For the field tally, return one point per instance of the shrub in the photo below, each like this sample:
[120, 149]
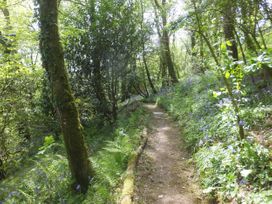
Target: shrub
[228, 168]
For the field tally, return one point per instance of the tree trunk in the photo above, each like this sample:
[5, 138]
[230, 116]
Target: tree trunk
[103, 105]
[164, 75]
[245, 27]
[229, 29]
[148, 74]
[144, 53]
[124, 89]
[226, 82]
[9, 44]
[229, 89]
[241, 47]
[168, 58]
[5, 11]
[193, 43]
[229, 32]
[165, 43]
[163, 68]
[53, 62]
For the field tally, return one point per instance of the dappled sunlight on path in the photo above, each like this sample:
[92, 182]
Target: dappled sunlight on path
[164, 174]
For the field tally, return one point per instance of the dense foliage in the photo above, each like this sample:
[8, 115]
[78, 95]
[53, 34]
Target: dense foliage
[227, 167]
[45, 177]
[225, 111]
[207, 61]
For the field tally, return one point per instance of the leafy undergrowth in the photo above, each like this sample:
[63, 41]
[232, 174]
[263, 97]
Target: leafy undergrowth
[46, 177]
[229, 169]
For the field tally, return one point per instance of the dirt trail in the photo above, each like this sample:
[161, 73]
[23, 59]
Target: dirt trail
[164, 175]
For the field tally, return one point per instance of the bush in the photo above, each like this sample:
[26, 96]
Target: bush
[46, 177]
[228, 168]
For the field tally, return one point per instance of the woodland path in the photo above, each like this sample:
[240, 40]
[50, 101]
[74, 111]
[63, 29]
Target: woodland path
[164, 174]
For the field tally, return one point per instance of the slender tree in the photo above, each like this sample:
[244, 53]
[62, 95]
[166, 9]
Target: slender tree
[8, 46]
[235, 105]
[53, 62]
[98, 79]
[229, 28]
[165, 41]
[144, 50]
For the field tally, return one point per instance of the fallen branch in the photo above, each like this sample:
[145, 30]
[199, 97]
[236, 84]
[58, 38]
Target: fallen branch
[128, 186]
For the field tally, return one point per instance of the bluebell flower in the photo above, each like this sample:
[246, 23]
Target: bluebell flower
[243, 182]
[37, 189]
[241, 123]
[230, 147]
[78, 187]
[13, 193]
[200, 143]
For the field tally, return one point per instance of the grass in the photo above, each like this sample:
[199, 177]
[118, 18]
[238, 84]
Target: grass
[228, 168]
[45, 178]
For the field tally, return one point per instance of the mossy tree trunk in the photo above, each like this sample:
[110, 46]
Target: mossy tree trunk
[165, 43]
[229, 29]
[53, 62]
[163, 68]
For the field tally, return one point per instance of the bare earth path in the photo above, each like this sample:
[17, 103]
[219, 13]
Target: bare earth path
[164, 175]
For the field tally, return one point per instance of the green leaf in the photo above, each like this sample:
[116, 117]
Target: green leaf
[223, 47]
[227, 74]
[229, 43]
[216, 94]
[48, 140]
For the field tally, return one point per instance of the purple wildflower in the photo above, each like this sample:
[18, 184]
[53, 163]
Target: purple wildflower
[78, 187]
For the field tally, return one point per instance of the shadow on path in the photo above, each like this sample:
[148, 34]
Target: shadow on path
[164, 175]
